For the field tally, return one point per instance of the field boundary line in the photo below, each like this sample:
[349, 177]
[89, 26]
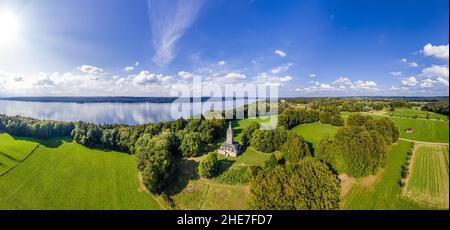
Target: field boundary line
[423, 142]
[19, 162]
[8, 156]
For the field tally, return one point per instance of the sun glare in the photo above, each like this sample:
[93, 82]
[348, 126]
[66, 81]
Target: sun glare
[9, 27]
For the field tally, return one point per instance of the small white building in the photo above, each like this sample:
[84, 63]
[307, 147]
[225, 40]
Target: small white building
[230, 148]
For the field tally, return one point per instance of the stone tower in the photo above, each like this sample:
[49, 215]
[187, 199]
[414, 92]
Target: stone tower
[229, 134]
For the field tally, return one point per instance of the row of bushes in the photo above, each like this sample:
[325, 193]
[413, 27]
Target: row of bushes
[406, 166]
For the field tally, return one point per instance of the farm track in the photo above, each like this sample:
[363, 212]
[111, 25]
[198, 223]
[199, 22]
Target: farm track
[423, 142]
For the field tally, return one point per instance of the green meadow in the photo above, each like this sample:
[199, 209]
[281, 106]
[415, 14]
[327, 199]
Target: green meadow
[424, 130]
[383, 191]
[416, 113]
[314, 132]
[428, 183]
[16, 148]
[61, 174]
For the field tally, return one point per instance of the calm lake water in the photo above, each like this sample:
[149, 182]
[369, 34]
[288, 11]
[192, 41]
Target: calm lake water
[123, 113]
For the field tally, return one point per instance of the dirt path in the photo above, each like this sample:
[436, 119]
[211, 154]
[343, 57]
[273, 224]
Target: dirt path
[423, 142]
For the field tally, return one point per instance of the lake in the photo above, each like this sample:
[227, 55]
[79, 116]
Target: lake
[123, 113]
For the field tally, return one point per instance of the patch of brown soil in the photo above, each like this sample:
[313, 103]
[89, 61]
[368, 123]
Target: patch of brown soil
[346, 183]
[371, 180]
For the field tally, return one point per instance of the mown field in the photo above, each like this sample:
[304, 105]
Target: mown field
[16, 148]
[428, 183]
[416, 113]
[314, 132]
[383, 191]
[424, 130]
[61, 174]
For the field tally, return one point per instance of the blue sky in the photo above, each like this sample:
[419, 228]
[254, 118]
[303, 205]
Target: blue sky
[145, 47]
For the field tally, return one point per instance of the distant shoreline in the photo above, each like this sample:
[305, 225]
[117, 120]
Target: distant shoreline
[81, 100]
[162, 100]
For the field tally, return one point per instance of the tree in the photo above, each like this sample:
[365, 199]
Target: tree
[308, 185]
[156, 161]
[270, 163]
[247, 134]
[357, 119]
[191, 144]
[268, 141]
[326, 117]
[295, 148]
[208, 167]
[337, 120]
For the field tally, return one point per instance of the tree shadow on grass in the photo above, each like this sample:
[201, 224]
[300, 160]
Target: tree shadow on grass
[224, 165]
[53, 142]
[186, 171]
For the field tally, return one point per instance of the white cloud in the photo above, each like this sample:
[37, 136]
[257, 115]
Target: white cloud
[313, 75]
[440, 52]
[427, 83]
[91, 70]
[394, 88]
[282, 68]
[404, 60]
[169, 21]
[442, 80]
[235, 76]
[411, 81]
[280, 53]
[136, 64]
[396, 74]
[436, 71]
[144, 77]
[286, 79]
[367, 85]
[222, 62]
[129, 68]
[342, 81]
[413, 64]
[185, 75]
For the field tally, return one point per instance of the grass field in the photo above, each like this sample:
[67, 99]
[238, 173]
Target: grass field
[205, 194]
[382, 192]
[16, 148]
[190, 192]
[424, 130]
[314, 132]
[6, 163]
[249, 158]
[428, 183]
[407, 112]
[70, 176]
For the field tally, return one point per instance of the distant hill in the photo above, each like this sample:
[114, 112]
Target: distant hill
[108, 99]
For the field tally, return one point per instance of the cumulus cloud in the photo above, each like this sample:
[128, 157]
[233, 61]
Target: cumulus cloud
[442, 80]
[222, 62]
[404, 60]
[411, 81]
[280, 53]
[286, 79]
[91, 70]
[235, 76]
[169, 21]
[44, 80]
[396, 74]
[436, 71]
[427, 83]
[313, 75]
[440, 52]
[129, 68]
[413, 64]
[185, 75]
[282, 68]
[342, 81]
[144, 77]
[366, 85]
